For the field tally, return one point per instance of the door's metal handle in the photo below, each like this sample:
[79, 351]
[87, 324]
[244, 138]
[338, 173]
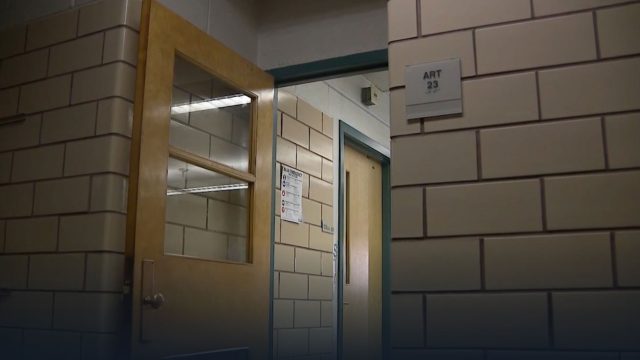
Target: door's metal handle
[5, 292]
[153, 297]
[155, 301]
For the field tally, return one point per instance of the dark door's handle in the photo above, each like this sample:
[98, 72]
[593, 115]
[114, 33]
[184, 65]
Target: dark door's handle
[5, 293]
[156, 300]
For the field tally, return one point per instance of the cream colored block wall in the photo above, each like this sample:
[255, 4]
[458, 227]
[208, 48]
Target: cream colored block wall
[516, 224]
[63, 179]
[303, 253]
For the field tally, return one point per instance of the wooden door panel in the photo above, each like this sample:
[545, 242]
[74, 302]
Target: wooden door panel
[211, 302]
[363, 292]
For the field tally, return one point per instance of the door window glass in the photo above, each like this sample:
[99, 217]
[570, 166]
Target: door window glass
[206, 213]
[207, 206]
[209, 118]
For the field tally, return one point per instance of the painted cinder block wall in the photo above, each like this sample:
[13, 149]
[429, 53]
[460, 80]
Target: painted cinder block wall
[63, 179]
[516, 226]
[303, 253]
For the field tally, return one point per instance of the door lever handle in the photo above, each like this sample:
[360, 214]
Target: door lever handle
[5, 293]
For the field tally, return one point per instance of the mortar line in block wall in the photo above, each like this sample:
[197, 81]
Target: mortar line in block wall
[605, 145]
[48, 63]
[418, 18]
[17, 109]
[70, 91]
[596, 34]
[550, 323]
[521, 177]
[26, 38]
[41, 112]
[91, 137]
[516, 21]
[76, 291]
[75, 71]
[483, 281]
[104, 45]
[33, 200]
[424, 213]
[614, 259]
[538, 68]
[77, 24]
[28, 269]
[84, 278]
[293, 317]
[543, 204]
[532, 9]
[69, 252]
[538, 97]
[105, 30]
[66, 214]
[478, 155]
[308, 338]
[11, 161]
[514, 291]
[40, 126]
[95, 120]
[4, 244]
[58, 234]
[425, 341]
[521, 233]
[53, 309]
[22, 343]
[82, 340]
[475, 51]
[90, 192]
[64, 156]
[512, 124]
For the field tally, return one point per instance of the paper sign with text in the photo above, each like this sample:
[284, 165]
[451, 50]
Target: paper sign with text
[291, 195]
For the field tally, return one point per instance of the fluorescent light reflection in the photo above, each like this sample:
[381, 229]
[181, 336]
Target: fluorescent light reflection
[206, 189]
[233, 100]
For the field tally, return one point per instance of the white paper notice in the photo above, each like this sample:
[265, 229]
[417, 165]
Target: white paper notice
[291, 194]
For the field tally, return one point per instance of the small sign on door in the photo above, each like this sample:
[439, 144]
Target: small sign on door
[291, 195]
[433, 89]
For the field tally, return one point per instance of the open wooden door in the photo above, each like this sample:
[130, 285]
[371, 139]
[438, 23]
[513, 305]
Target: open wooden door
[200, 197]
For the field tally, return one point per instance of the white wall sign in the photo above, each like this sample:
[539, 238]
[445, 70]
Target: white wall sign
[291, 195]
[433, 89]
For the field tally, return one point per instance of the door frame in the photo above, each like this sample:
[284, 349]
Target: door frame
[329, 68]
[348, 135]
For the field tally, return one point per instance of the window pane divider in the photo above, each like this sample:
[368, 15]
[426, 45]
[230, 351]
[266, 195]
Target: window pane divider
[211, 165]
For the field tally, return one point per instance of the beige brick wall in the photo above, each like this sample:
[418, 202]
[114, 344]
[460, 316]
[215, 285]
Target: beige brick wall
[303, 253]
[63, 176]
[516, 225]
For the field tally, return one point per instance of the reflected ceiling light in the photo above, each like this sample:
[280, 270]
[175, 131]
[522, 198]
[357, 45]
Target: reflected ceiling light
[233, 100]
[206, 189]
